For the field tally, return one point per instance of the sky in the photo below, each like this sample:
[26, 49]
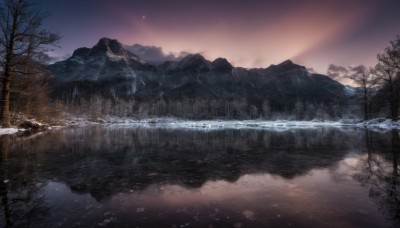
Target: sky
[319, 34]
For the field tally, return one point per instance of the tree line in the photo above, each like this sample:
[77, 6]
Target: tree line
[97, 106]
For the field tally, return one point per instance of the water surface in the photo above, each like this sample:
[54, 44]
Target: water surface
[120, 176]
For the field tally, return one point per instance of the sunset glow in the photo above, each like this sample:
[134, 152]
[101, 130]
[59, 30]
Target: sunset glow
[248, 33]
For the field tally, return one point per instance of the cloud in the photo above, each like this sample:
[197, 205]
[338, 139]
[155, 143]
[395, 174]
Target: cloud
[335, 71]
[155, 54]
[339, 72]
[357, 69]
[311, 70]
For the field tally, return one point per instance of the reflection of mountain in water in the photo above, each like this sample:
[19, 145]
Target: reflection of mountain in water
[104, 161]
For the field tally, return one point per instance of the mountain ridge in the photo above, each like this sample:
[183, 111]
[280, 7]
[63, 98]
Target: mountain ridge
[112, 71]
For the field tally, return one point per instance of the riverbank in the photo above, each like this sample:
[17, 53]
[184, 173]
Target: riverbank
[378, 123]
[9, 131]
[23, 125]
[28, 126]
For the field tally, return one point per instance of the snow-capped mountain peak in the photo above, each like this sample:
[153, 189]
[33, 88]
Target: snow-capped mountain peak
[113, 50]
[107, 60]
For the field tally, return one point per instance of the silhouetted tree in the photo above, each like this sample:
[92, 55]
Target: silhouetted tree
[266, 109]
[387, 72]
[363, 78]
[299, 110]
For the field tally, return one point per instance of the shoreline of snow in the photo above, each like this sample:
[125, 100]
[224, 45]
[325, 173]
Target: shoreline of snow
[378, 124]
[381, 123]
[172, 123]
[9, 131]
[21, 123]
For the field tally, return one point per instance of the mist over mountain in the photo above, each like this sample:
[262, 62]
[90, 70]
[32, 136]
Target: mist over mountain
[110, 71]
[154, 54]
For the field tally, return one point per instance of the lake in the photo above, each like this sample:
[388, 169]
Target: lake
[124, 176]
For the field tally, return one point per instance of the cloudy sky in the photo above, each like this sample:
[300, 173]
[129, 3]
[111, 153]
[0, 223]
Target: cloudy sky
[249, 33]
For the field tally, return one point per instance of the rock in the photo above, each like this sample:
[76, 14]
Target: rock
[22, 121]
[31, 124]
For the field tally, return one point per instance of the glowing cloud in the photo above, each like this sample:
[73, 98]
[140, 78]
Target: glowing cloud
[252, 33]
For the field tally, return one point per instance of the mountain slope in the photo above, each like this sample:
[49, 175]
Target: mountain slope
[107, 69]
[107, 60]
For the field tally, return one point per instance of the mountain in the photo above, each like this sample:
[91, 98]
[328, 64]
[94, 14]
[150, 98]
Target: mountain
[221, 65]
[107, 60]
[109, 70]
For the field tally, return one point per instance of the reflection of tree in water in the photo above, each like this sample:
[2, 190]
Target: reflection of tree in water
[380, 173]
[104, 161]
[20, 200]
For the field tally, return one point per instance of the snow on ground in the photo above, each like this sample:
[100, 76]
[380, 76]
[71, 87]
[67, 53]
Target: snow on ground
[81, 121]
[22, 123]
[234, 124]
[8, 131]
[379, 123]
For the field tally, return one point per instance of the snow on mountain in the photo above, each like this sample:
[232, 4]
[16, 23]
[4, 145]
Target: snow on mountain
[107, 60]
[349, 90]
[192, 77]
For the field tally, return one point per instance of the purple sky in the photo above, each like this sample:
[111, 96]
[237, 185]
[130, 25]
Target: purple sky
[249, 33]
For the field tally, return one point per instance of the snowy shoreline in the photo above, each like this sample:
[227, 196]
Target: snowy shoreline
[9, 131]
[171, 123]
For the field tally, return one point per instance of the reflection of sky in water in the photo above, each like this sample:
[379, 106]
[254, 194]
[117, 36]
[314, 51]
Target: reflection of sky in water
[128, 177]
[324, 197]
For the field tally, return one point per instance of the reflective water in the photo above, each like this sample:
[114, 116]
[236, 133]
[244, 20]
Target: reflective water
[133, 177]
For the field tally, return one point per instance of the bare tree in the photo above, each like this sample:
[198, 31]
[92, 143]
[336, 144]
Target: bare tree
[299, 109]
[363, 78]
[23, 41]
[387, 72]
[266, 109]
